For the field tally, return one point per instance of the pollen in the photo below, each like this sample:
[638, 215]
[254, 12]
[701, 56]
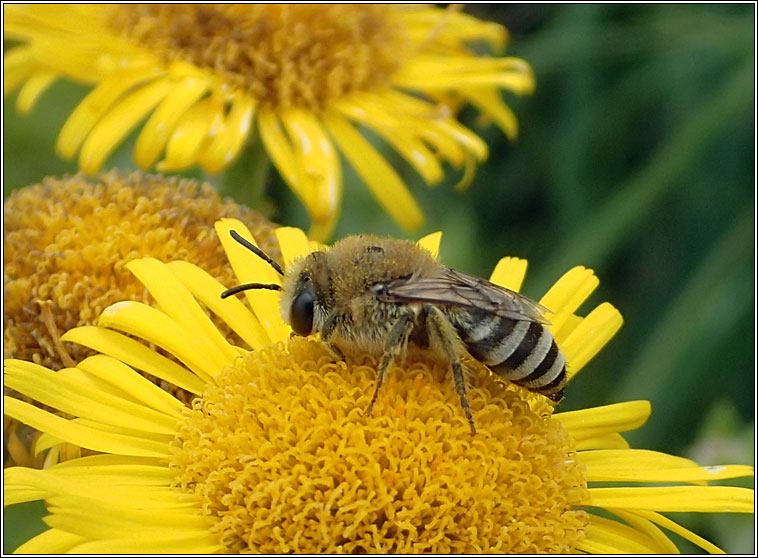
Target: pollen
[283, 55]
[67, 240]
[284, 459]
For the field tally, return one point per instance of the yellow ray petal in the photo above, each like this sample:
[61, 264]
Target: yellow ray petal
[674, 527]
[385, 184]
[316, 155]
[231, 135]
[613, 440]
[605, 536]
[52, 541]
[598, 421]
[165, 543]
[177, 301]
[155, 134]
[509, 273]
[431, 243]
[249, 268]
[651, 466]
[231, 311]
[709, 499]
[489, 101]
[33, 88]
[590, 336]
[83, 436]
[293, 244]
[117, 373]
[156, 327]
[18, 65]
[566, 295]
[191, 134]
[135, 354]
[647, 527]
[118, 122]
[281, 152]
[59, 392]
[96, 104]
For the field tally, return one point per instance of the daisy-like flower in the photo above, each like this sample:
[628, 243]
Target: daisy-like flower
[66, 243]
[305, 77]
[277, 455]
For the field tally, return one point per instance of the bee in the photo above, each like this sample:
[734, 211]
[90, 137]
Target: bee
[379, 295]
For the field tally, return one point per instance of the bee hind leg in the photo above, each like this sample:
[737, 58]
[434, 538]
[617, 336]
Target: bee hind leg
[443, 334]
[393, 346]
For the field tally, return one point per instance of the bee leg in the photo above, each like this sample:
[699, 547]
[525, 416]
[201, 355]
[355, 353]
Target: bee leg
[326, 336]
[393, 346]
[442, 333]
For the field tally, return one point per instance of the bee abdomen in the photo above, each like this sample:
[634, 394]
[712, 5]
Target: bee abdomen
[522, 351]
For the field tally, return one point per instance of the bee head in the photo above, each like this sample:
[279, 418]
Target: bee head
[304, 301]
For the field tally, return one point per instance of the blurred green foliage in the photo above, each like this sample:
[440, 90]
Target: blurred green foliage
[635, 158]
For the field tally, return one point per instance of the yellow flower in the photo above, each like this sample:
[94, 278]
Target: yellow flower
[306, 77]
[276, 453]
[66, 243]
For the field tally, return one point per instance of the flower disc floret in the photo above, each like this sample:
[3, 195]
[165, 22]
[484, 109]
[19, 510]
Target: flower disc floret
[283, 55]
[284, 458]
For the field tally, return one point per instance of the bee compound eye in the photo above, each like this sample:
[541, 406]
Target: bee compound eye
[301, 313]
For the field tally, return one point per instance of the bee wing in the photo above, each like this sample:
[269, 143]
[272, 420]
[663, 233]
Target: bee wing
[461, 289]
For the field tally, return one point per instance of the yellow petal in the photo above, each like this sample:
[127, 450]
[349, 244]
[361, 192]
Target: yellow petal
[651, 466]
[431, 243]
[18, 65]
[231, 135]
[566, 295]
[316, 155]
[95, 105]
[33, 88]
[647, 527]
[135, 354]
[382, 180]
[293, 244]
[83, 436]
[117, 373]
[281, 152]
[709, 499]
[249, 268]
[590, 336]
[605, 536]
[490, 102]
[156, 327]
[52, 541]
[509, 273]
[177, 301]
[599, 421]
[60, 392]
[161, 124]
[231, 311]
[165, 543]
[613, 440]
[118, 122]
[191, 134]
[674, 527]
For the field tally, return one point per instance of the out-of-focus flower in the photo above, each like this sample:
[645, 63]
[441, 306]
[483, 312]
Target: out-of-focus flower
[276, 454]
[66, 243]
[305, 77]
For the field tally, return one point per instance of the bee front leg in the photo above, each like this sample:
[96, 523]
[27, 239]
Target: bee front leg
[326, 336]
[442, 333]
[393, 346]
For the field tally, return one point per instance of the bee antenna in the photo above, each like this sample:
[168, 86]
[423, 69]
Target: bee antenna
[258, 252]
[248, 286]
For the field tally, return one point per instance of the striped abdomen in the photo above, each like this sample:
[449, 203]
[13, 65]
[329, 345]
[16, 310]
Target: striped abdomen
[522, 351]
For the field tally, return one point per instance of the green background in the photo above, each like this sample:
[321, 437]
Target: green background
[635, 158]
